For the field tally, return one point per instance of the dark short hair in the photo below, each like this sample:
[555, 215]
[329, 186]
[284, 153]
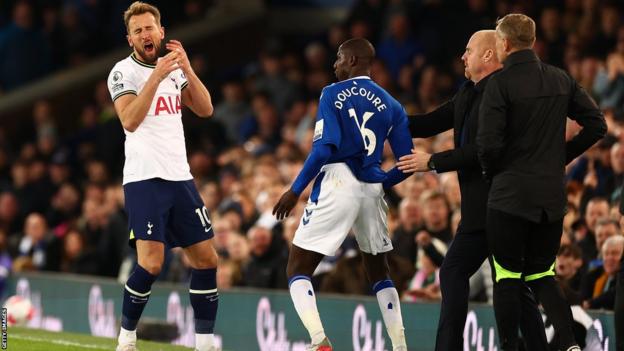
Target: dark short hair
[570, 250]
[607, 221]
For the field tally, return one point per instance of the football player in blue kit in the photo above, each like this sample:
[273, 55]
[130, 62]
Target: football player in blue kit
[355, 116]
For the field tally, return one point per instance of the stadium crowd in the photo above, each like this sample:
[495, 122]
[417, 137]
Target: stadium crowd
[61, 200]
[38, 37]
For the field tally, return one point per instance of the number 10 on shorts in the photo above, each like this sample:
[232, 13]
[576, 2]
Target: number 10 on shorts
[202, 213]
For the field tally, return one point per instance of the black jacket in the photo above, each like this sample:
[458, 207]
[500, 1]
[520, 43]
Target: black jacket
[521, 138]
[474, 190]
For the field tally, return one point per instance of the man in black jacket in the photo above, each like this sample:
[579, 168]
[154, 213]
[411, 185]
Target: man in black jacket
[522, 149]
[469, 247]
[619, 297]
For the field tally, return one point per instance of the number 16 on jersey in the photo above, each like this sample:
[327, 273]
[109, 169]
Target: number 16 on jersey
[368, 136]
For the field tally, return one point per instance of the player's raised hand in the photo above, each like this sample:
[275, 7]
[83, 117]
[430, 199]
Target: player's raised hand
[285, 204]
[166, 65]
[183, 61]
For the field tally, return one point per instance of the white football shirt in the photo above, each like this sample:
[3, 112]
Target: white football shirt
[156, 149]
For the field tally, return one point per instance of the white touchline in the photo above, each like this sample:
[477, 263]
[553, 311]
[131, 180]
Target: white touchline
[64, 342]
[59, 342]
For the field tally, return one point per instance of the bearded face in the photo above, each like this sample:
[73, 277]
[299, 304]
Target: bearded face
[145, 36]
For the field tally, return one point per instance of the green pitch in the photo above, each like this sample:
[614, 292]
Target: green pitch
[23, 339]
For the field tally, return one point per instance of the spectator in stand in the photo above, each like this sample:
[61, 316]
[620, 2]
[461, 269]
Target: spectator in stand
[605, 228]
[76, 257]
[399, 47]
[617, 165]
[348, 277]
[598, 288]
[597, 208]
[5, 262]
[552, 36]
[269, 255]
[25, 53]
[233, 109]
[272, 80]
[436, 216]
[34, 243]
[425, 286]
[568, 268]
[609, 83]
[10, 219]
[404, 236]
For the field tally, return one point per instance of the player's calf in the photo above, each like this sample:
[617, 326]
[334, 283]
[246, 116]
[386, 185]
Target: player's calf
[136, 294]
[205, 301]
[304, 299]
[390, 306]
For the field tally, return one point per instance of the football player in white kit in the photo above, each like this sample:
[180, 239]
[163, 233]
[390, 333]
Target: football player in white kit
[164, 208]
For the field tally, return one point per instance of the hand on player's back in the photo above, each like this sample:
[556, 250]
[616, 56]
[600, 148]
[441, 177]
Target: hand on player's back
[285, 204]
[166, 65]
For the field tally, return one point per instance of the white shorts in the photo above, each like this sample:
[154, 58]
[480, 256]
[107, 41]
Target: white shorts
[338, 203]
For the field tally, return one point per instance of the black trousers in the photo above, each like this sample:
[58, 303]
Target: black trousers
[464, 257]
[525, 251]
[619, 311]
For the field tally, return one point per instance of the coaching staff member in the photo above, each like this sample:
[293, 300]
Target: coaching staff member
[469, 247]
[619, 298]
[522, 149]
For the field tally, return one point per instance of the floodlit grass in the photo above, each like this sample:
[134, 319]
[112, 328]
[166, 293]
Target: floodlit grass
[24, 339]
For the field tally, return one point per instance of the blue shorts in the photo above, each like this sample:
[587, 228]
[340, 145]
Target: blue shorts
[167, 211]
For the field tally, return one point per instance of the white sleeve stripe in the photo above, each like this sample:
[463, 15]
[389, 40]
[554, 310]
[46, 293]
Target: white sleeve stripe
[124, 93]
[184, 85]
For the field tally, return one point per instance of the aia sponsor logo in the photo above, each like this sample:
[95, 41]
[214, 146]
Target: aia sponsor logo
[166, 105]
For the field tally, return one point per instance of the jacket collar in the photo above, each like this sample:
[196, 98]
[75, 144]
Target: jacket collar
[480, 86]
[522, 56]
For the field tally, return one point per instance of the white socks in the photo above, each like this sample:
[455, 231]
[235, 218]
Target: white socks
[126, 336]
[302, 294]
[203, 342]
[390, 306]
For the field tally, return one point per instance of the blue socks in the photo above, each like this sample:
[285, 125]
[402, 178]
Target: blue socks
[204, 299]
[136, 293]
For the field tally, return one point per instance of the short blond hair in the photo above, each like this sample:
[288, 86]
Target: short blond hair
[139, 8]
[519, 29]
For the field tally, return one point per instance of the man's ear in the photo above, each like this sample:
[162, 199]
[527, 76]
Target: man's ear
[506, 45]
[129, 41]
[162, 33]
[353, 60]
[487, 56]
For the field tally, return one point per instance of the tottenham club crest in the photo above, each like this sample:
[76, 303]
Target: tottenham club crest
[149, 228]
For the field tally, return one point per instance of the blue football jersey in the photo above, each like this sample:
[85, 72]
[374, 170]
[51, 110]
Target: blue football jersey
[356, 116]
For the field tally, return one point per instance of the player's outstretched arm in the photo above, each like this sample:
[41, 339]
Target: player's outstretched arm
[401, 145]
[132, 109]
[195, 95]
[311, 167]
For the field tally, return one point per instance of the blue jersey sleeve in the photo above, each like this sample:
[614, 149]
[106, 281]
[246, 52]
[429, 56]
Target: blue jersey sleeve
[401, 144]
[327, 127]
[311, 167]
